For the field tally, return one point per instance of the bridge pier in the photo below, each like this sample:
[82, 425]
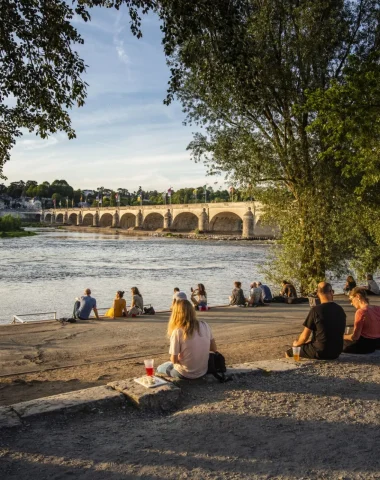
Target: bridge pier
[95, 220]
[115, 220]
[203, 221]
[52, 219]
[248, 223]
[66, 217]
[79, 219]
[167, 220]
[139, 219]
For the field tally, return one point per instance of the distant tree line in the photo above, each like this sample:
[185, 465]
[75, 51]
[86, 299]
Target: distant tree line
[60, 193]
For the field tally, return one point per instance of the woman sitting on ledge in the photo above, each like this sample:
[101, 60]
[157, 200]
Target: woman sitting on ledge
[199, 296]
[366, 335]
[137, 303]
[119, 307]
[237, 296]
[190, 343]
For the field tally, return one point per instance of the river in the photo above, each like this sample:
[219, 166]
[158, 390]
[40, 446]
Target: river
[46, 272]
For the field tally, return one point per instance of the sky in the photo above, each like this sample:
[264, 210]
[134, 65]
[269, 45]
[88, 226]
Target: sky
[126, 136]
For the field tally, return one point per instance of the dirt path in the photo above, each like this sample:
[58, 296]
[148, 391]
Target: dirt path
[320, 422]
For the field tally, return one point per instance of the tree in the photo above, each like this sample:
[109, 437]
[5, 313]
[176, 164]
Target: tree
[260, 77]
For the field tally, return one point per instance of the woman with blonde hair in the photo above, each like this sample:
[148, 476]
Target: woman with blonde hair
[119, 307]
[190, 343]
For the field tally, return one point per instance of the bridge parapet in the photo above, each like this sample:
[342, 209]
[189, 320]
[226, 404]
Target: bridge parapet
[238, 218]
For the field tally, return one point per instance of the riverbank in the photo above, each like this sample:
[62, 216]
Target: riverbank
[17, 234]
[50, 358]
[162, 233]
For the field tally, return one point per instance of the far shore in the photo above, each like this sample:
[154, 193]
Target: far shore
[162, 233]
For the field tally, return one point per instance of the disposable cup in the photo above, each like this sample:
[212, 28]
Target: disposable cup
[347, 330]
[149, 367]
[296, 353]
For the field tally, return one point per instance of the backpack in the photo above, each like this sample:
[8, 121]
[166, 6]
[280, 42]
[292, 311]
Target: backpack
[149, 310]
[217, 366]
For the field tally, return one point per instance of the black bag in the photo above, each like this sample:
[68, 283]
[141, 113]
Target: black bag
[217, 366]
[149, 310]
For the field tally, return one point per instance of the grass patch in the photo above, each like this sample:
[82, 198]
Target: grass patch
[19, 233]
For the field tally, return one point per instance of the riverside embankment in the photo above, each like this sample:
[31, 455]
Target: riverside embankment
[50, 358]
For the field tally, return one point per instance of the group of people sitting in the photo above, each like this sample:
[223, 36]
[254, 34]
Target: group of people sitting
[324, 335]
[85, 304]
[372, 288]
[198, 297]
[259, 295]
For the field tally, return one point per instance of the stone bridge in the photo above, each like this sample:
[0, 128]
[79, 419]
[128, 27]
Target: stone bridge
[238, 218]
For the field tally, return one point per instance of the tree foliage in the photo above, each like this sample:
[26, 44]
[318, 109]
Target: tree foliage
[287, 93]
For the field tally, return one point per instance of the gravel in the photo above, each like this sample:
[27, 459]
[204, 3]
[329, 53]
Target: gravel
[318, 422]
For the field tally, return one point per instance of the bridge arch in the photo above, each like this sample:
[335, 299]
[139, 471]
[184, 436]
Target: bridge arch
[47, 217]
[88, 220]
[185, 221]
[59, 218]
[226, 222]
[153, 221]
[127, 220]
[105, 220]
[73, 219]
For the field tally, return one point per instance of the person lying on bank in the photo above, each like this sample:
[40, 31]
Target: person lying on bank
[322, 336]
[366, 335]
[119, 307]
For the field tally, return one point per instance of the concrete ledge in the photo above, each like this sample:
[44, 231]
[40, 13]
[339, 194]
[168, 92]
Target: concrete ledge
[241, 369]
[278, 365]
[69, 402]
[8, 418]
[163, 398]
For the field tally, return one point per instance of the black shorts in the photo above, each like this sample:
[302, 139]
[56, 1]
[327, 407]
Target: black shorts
[307, 351]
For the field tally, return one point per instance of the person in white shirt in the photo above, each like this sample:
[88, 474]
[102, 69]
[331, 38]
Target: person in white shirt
[372, 287]
[256, 296]
[190, 343]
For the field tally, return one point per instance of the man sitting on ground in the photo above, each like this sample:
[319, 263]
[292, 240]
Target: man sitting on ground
[267, 292]
[84, 305]
[288, 289]
[178, 295]
[256, 296]
[325, 324]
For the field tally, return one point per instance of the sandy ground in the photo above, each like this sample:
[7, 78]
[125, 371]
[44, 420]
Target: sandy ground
[319, 422]
[46, 359]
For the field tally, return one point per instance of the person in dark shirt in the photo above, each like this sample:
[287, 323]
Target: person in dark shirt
[325, 324]
[288, 290]
[350, 284]
[237, 295]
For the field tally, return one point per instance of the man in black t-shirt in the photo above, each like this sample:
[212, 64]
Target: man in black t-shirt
[325, 324]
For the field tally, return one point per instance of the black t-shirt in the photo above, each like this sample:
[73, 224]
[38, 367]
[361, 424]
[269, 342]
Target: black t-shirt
[328, 322]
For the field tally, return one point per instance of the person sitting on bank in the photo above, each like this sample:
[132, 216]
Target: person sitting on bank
[177, 295]
[366, 335]
[288, 290]
[119, 307]
[256, 296]
[137, 303]
[325, 324]
[267, 292]
[237, 297]
[84, 305]
[190, 343]
[199, 296]
[350, 284]
[372, 288]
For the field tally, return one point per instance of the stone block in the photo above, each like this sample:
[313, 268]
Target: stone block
[8, 418]
[277, 365]
[241, 369]
[76, 401]
[162, 398]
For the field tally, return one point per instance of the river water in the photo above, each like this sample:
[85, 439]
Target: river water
[46, 272]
